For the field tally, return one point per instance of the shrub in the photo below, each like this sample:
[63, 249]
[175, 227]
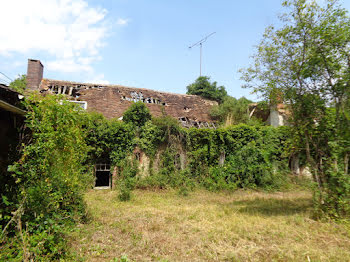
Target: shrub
[334, 202]
[137, 114]
[51, 178]
[217, 180]
[127, 178]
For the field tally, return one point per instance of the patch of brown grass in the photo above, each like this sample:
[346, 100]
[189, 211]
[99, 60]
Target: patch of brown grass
[205, 226]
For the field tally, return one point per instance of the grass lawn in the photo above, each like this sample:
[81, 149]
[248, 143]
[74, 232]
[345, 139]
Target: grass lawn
[205, 226]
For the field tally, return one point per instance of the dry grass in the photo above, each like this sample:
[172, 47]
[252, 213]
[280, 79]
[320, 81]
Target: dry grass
[241, 226]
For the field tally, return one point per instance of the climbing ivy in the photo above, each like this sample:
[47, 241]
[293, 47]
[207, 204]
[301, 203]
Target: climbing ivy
[50, 179]
[109, 140]
[253, 156]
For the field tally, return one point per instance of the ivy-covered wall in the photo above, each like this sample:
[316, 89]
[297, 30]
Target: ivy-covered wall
[236, 156]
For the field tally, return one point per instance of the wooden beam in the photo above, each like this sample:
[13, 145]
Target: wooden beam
[11, 108]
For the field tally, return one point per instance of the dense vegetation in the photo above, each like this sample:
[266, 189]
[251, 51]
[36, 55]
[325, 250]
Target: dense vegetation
[229, 111]
[305, 64]
[225, 158]
[234, 111]
[19, 84]
[45, 186]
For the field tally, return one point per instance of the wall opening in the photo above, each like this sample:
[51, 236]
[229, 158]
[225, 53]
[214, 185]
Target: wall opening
[103, 176]
[103, 179]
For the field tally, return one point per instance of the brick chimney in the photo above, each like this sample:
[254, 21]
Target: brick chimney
[34, 74]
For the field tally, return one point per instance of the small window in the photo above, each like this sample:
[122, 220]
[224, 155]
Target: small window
[103, 176]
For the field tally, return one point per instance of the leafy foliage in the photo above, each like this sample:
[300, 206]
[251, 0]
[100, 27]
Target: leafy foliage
[232, 111]
[50, 177]
[137, 114]
[255, 157]
[19, 84]
[128, 172]
[52, 174]
[109, 140]
[204, 88]
[305, 62]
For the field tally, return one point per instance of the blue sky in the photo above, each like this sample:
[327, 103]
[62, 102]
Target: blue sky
[139, 43]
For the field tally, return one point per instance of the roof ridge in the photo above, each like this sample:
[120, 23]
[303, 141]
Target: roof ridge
[122, 86]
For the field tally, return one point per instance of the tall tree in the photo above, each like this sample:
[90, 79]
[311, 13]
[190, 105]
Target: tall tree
[204, 88]
[307, 63]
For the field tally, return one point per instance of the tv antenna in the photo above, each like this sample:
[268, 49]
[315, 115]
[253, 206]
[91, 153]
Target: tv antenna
[200, 43]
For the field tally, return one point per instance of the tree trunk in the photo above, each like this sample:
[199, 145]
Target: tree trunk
[310, 160]
[222, 158]
[346, 163]
[294, 164]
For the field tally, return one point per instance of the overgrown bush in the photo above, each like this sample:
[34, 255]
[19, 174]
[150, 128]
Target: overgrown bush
[248, 167]
[137, 114]
[128, 171]
[51, 178]
[334, 201]
[109, 140]
[255, 157]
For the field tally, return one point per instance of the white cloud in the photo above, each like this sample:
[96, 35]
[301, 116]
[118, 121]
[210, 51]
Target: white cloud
[122, 21]
[68, 65]
[69, 32]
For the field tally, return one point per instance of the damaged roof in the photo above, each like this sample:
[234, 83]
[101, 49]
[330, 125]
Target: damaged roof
[113, 100]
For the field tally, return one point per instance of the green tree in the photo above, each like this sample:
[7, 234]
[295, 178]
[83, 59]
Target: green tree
[137, 114]
[232, 110]
[306, 62]
[19, 84]
[204, 88]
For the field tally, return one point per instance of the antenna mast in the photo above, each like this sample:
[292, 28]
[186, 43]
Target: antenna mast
[200, 42]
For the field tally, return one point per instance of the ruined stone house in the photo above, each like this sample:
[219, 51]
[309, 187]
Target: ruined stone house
[113, 100]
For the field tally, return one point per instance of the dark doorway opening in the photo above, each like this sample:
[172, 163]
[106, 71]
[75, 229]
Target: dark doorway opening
[103, 179]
